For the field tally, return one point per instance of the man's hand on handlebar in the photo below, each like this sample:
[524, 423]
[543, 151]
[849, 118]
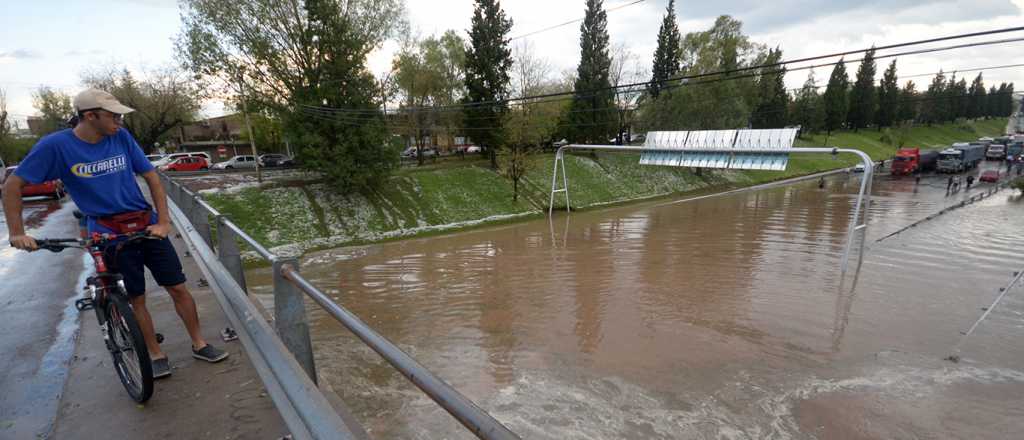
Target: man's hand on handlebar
[159, 230]
[24, 242]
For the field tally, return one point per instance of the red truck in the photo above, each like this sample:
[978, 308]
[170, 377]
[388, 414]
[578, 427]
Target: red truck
[911, 160]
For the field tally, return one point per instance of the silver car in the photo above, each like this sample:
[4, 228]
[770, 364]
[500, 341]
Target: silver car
[243, 161]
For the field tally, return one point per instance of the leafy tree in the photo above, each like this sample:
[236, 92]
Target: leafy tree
[976, 98]
[956, 98]
[625, 69]
[164, 99]
[888, 98]
[5, 122]
[773, 100]
[908, 105]
[933, 108]
[714, 103]
[808, 107]
[1004, 101]
[992, 103]
[55, 107]
[666, 55]
[305, 64]
[836, 98]
[592, 114]
[488, 61]
[862, 96]
[429, 75]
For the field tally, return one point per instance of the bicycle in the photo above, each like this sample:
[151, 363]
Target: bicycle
[109, 298]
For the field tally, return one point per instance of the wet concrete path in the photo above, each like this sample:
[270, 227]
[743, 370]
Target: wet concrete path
[718, 318]
[38, 321]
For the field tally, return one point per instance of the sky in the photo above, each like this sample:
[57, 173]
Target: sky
[52, 42]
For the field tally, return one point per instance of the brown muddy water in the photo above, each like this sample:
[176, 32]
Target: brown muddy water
[725, 317]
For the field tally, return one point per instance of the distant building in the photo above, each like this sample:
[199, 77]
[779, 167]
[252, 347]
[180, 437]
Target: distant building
[210, 134]
[36, 125]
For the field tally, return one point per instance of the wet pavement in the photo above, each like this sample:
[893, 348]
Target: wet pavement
[724, 317]
[57, 380]
[39, 321]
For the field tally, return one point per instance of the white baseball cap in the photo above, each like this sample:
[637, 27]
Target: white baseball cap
[93, 99]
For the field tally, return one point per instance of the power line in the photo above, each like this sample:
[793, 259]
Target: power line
[639, 87]
[571, 21]
[757, 70]
[434, 128]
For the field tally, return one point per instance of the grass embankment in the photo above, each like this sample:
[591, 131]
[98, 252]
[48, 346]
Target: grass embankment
[296, 217]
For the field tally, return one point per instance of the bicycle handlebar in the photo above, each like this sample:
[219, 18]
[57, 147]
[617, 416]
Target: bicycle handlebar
[59, 244]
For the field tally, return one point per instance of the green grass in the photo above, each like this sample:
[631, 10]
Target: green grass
[460, 193]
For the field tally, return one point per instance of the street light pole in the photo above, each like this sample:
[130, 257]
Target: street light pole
[248, 126]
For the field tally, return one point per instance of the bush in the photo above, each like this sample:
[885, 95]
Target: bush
[1018, 184]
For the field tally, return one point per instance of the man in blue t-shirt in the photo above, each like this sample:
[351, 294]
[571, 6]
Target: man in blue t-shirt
[97, 160]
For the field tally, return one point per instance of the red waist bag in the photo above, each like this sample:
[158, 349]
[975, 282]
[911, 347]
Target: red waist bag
[128, 222]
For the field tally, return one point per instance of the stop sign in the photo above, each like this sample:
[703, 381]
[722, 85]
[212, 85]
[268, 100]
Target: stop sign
[222, 151]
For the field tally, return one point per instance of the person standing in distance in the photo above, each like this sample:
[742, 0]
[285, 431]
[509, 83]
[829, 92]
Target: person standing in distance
[97, 160]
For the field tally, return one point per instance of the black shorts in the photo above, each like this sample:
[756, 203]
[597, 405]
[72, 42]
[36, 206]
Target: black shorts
[158, 255]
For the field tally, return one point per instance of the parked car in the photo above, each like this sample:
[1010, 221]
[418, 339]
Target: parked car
[243, 161]
[50, 188]
[174, 156]
[275, 160]
[154, 157]
[426, 152]
[989, 176]
[192, 163]
[467, 149]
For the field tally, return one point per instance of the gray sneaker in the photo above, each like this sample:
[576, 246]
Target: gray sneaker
[210, 354]
[161, 368]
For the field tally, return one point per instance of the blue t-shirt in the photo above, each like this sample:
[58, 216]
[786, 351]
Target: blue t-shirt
[99, 177]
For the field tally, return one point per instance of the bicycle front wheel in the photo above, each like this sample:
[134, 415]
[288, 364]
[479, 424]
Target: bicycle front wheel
[128, 348]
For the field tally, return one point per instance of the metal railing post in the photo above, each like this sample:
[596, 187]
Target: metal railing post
[228, 253]
[290, 317]
[201, 219]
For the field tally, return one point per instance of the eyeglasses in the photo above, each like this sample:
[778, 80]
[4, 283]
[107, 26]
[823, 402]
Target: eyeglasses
[114, 116]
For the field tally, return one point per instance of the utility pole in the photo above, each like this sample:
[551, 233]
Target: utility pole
[248, 126]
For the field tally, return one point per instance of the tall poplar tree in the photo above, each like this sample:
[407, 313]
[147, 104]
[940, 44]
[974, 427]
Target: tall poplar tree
[909, 103]
[808, 107]
[836, 98]
[488, 61]
[933, 106]
[976, 98]
[888, 98]
[667, 54]
[862, 97]
[773, 100]
[592, 113]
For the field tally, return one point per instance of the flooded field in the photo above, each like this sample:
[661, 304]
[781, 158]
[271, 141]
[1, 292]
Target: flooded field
[724, 317]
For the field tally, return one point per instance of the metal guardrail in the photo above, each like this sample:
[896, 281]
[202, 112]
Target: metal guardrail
[285, 385]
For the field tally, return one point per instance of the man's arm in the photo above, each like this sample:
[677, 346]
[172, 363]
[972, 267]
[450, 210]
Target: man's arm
[12, 211]
[163, 224]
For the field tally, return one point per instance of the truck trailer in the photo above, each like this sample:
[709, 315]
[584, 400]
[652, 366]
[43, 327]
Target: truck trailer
[912, 160]
[960, 158]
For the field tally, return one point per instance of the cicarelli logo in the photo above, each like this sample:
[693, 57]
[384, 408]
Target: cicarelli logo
[100, 167]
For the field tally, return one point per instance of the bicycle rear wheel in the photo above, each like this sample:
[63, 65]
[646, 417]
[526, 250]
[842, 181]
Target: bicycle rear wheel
[128, 348]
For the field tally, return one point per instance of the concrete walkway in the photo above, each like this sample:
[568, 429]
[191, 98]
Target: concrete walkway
[199, 400]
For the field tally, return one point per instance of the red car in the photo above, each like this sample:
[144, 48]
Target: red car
[989, 176]
[191, 163]
[52, 188]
